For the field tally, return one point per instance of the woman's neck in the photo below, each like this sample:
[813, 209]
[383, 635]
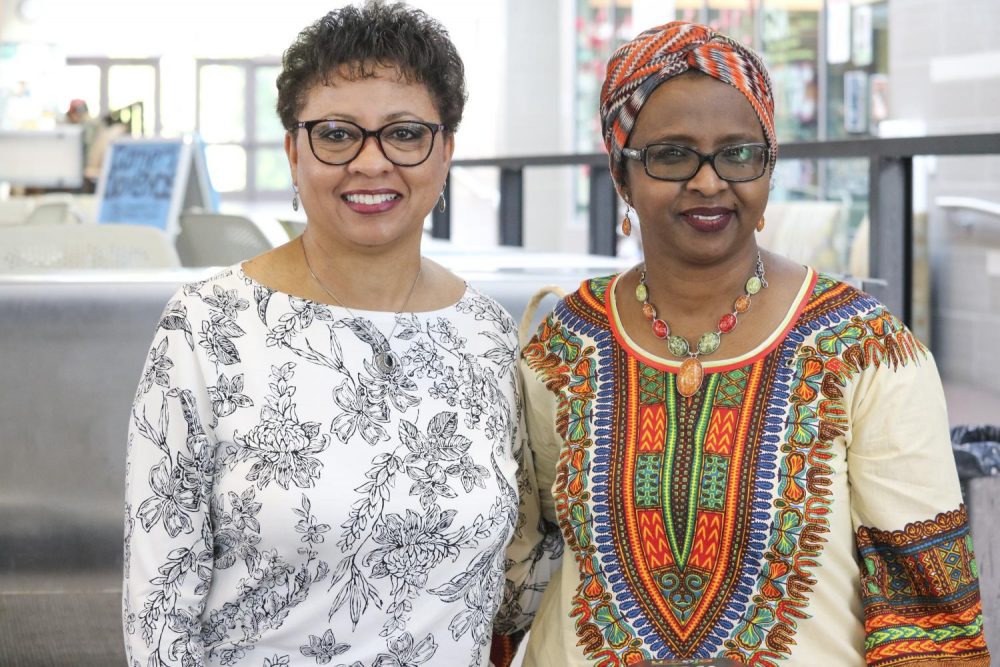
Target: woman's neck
[369, 281]
[699, 289]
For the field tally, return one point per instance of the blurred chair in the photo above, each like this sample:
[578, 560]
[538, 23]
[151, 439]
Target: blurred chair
[293, 228]
[217, 239]
[809, 232]
[52, 209]
[85, 207]
[13, 211]
[34, 248]
[857, 257]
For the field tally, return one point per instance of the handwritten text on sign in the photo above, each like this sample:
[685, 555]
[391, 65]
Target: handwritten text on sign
[140, 183]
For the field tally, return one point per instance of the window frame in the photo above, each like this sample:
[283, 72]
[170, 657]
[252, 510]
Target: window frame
[250, 144]
[104, 64]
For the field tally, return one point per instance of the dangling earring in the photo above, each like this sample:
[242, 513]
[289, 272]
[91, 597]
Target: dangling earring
[442, 202]
[295, 199]
[626, 222]
[760, 225]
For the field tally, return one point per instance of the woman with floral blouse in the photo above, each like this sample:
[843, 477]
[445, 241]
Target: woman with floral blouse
[323, 450]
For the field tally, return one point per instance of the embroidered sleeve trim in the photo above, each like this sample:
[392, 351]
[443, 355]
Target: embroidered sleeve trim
[920, 590]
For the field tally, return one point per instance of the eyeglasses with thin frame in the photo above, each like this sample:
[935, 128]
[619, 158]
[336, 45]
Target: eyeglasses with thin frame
[405, 143]
[671, 162]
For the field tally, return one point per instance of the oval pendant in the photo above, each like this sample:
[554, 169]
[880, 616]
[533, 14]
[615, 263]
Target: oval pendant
[641, 292]
[689, 377]
[387, 362]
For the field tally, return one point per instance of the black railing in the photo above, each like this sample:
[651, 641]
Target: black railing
[890, 197]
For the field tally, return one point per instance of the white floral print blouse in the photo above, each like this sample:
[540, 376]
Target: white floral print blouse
[303, 491]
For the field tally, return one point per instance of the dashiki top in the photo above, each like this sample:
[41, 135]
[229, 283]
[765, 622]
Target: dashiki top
[802, 508]
[293, 502]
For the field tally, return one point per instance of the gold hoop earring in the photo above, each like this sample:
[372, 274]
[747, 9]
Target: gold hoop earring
[760, 225]
[627, 222]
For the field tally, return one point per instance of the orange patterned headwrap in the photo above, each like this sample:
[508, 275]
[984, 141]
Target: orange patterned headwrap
[663, 52]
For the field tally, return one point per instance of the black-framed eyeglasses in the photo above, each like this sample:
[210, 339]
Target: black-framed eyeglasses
[669, 162]
[405, 143]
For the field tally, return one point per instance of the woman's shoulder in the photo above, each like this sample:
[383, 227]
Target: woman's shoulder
[842, 320]
[575, 313]
[590, 297]
[588, 300]
[226, 280]
[479, 309]
[832, 295]
[228, 289]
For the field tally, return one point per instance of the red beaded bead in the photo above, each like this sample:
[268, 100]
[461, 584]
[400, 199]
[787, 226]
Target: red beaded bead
[649, 311]
[727, 323]
[660, 329]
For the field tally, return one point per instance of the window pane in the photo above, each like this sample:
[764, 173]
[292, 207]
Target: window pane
[600, 28]
[732, 17]
[221, 109]
[790, 45]
[272, 170]
[128, 84]
[815, 211]
[83, 82]
[227, 166]
[268, 124]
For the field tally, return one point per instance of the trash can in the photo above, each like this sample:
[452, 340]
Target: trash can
[976, 450]
[977, 457]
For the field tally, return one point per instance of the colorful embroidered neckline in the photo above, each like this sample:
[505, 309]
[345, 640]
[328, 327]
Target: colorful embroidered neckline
[717, 365]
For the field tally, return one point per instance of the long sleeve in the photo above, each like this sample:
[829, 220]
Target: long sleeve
[919, 581]
[168, 533]
[535, 553]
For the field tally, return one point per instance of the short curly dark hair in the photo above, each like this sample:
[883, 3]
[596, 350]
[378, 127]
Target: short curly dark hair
[356, 40]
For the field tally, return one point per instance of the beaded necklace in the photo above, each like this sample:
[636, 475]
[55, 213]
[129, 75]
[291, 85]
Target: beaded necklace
[691, 373]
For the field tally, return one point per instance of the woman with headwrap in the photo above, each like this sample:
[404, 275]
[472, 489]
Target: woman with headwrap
[743, 458]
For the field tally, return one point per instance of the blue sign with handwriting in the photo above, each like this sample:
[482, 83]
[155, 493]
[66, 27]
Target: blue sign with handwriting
[141, 181]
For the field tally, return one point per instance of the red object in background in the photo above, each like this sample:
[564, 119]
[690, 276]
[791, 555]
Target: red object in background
[77, 106]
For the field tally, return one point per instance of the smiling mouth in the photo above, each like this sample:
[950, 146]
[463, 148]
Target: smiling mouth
[708, 220]
[371, 200]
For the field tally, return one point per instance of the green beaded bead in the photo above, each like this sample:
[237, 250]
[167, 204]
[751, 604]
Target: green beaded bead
[754, 284]
[641, 293]
[709, 342]
[678, 346]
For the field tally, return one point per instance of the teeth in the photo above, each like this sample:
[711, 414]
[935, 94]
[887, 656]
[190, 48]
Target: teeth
[370, 200]
[707, 217]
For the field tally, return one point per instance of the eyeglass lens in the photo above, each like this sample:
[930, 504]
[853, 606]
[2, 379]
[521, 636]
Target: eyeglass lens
[744, 162]
[405, 143]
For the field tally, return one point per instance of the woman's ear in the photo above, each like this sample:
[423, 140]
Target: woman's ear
[449, 146]
[292, 152]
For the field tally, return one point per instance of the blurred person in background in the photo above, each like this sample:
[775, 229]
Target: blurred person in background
[745, 459]
[323, 450]
[107, 131]
[78, 112]
[95, 140]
